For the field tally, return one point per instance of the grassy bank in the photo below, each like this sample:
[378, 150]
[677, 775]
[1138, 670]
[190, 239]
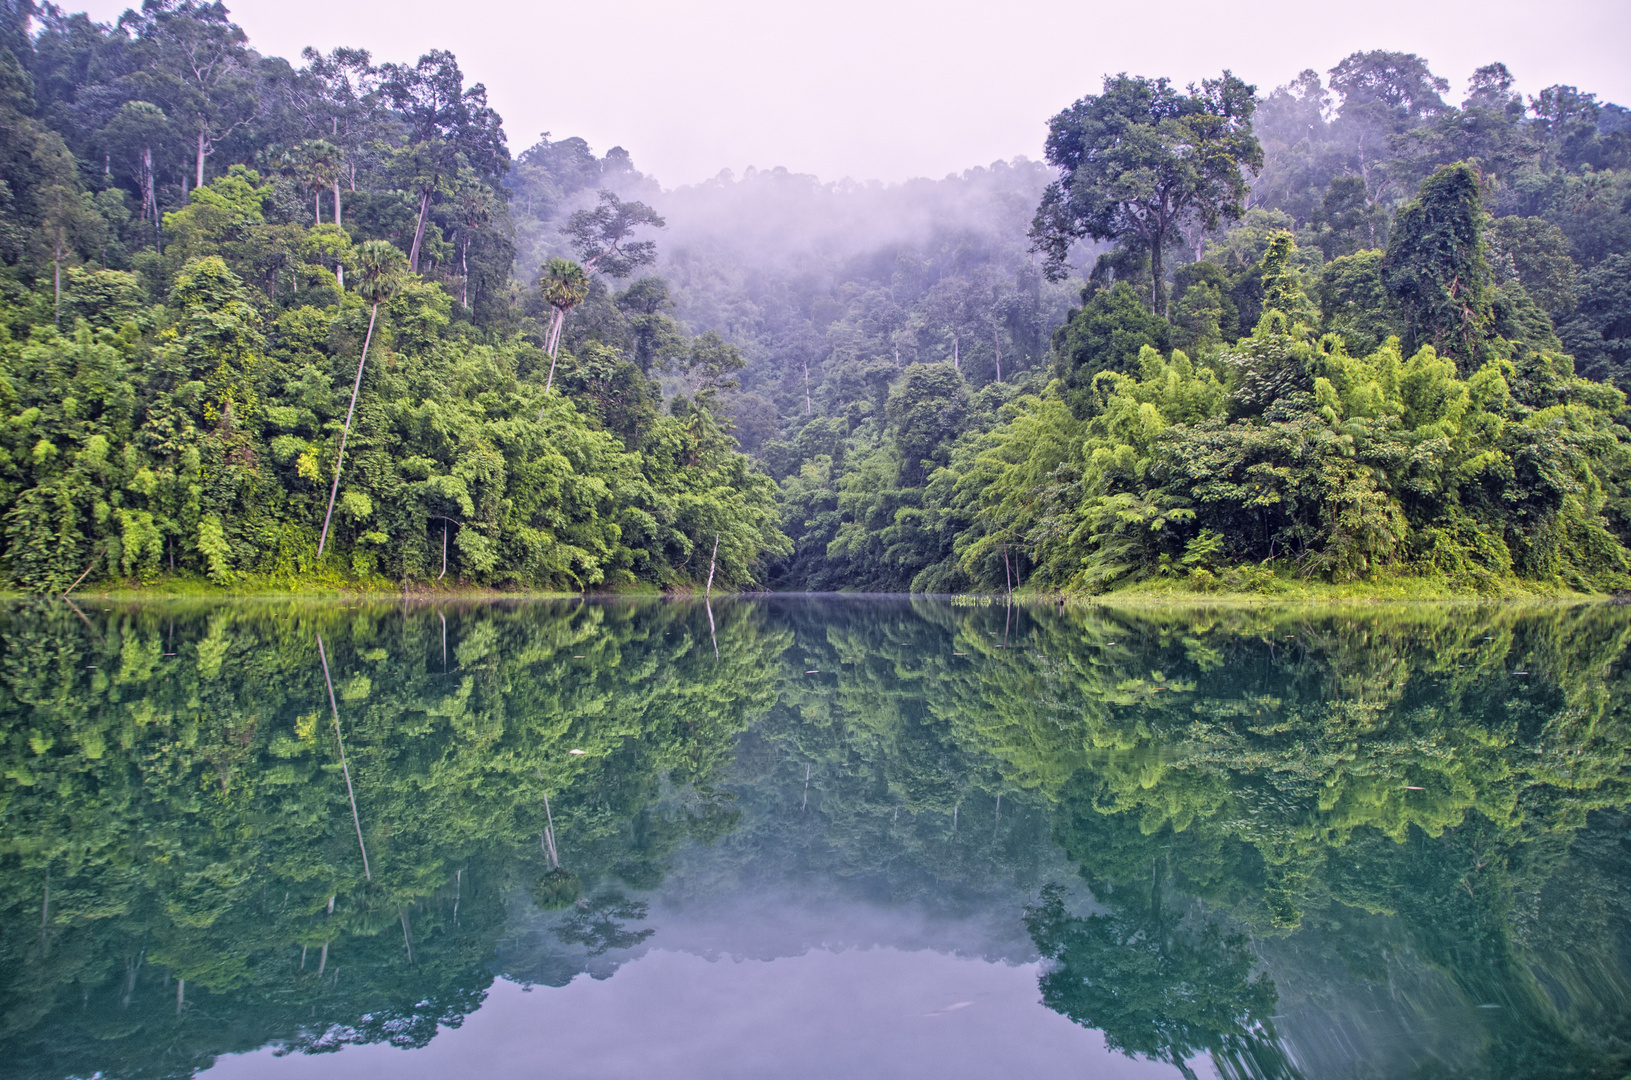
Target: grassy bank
[1257, 585]
[317, 587]
[1237, 585]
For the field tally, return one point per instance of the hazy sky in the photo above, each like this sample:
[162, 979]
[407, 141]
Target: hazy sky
[888, 89]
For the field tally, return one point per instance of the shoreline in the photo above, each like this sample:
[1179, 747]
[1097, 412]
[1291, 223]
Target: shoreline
[1143, 594]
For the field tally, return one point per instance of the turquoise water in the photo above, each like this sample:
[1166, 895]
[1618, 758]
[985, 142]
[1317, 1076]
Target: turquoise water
[813, 837]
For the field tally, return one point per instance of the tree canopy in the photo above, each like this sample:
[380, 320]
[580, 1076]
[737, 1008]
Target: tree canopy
[585, 379]
[1142, 160]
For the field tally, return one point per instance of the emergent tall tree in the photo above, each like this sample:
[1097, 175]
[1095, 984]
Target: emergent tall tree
[1140, 161]
[602, 236]
[197, 61]
[130, 137]
[448, 126]
[1383, 95]
[476, 207]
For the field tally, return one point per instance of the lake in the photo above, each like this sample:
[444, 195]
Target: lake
[814, 837]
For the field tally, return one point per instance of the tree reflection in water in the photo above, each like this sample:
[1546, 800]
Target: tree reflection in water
[1284, 839]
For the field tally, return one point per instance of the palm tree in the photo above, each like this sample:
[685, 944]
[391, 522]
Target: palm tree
[564, 285]
[318, 165]
[383, 268]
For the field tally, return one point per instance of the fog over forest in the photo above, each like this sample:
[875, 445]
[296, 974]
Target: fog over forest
[450, 505]
[317, 319]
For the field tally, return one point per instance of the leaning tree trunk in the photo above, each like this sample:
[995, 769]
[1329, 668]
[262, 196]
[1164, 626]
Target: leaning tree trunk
[419, 231]
[558, 324]
[554, 343]
[339, 459]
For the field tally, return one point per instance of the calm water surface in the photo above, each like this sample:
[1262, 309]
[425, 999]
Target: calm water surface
[813, 838]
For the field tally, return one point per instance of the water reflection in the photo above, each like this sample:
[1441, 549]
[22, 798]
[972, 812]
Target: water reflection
[1268, 843]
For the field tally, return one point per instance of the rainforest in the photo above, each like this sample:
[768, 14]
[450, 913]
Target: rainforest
[282, 324]
[486, 606]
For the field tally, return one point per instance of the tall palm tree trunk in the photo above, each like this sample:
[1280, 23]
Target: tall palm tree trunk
[554, 344]
[339, 459]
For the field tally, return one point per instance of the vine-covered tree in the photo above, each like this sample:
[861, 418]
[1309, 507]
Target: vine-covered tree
[1435, 267]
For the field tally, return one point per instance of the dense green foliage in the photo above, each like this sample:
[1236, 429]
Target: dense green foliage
[1400, 362]
[1341, 331]
[1286, 818]
[212, 287]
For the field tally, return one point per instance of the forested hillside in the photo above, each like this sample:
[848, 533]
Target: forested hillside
[259, 322]
[274, 322]
[1386, 333]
